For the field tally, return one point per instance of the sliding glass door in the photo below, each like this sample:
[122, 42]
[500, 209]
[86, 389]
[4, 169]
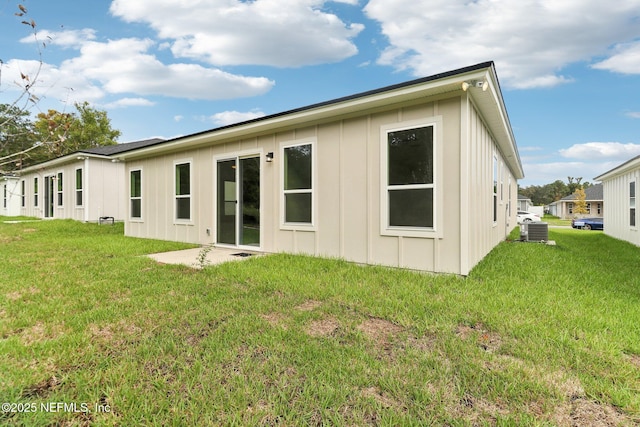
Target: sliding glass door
[238, 201]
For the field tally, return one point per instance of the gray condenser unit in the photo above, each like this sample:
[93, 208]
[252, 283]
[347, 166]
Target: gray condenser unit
[534, 231]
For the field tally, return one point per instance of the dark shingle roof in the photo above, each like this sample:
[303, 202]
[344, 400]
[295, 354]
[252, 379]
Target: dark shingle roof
[110, 150]
[593, 192]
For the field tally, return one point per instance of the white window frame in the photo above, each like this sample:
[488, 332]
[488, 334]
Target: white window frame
[23, 193]
[131, 198]
[36, 191]
[495, 183]
[177, 220]
[302, 226]
[79, 190]
[424, 232]
[59, 202]
[633, 204]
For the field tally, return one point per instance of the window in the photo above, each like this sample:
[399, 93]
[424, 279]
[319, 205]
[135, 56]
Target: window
[570, 205]
[599, 208]
[59, 189]
[495, 189]
[23, 193]
[35, 192]
[298, 184]
[408, 201]
[78, 187]
[588, 208]
[183, 191]
[4, 196]
[135, 194]
[632, 203]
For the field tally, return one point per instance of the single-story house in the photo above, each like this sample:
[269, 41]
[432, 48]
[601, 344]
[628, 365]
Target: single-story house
[86, 185]
[420, 175]
[11, 195]
[620, 186]
[524, 203]
[563, 208]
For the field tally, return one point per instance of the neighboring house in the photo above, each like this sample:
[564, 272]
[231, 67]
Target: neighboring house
[420, 175]
[85, 185]
[563, 208]
[524, 203]
[11, 195]
[620, 192]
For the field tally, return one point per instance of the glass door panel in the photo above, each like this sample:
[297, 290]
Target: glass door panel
[226, 202]
[249, 227]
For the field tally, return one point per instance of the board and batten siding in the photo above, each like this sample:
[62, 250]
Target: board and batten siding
[102, 190]
[482, 231]
[617, 206]
[347, 190]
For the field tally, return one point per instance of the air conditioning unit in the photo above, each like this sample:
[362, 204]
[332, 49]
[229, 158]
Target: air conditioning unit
[534, 231]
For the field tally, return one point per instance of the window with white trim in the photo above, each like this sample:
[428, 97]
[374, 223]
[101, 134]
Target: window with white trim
[183, 191]
[408, 202]
[297, 190]
[59, 192]
[632, 203]
[135, 194]
[79, 198]
[23, 193]
[495, 188]
[35, 192]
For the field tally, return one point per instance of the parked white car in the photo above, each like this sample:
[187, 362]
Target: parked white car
[527, 217]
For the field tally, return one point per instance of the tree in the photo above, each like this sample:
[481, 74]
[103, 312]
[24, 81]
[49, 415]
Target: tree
[71, 132]
[580, 204]
[16, 136]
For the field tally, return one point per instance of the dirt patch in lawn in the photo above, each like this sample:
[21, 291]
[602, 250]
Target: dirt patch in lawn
[487, 340]
[380, 331]
[41, 332]
[309, 305]
[16, 295]
[382, 398]
[324, 327]
[43, 388]
[584, 412]
[114, 333]
[275, 319]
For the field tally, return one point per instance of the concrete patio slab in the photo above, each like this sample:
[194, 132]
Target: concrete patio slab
[189, 257]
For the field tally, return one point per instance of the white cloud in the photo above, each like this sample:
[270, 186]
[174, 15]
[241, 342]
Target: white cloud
[633, 114]
[626, 59]
[130, 102]
[127, 66]
[67, 38]
[530, 41]
[178, 118]
[601, 150]
[230, 117]
[231, 32]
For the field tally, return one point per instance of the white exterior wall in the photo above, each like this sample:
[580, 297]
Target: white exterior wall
[11, 194]
[483, 233]
[103, 190]
[347, 191]
[616, 206]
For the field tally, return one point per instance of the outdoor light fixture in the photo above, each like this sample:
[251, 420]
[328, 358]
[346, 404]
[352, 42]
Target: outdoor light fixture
[484, 85]
[270, 157]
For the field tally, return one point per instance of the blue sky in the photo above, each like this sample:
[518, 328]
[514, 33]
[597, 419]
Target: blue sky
[569, 70]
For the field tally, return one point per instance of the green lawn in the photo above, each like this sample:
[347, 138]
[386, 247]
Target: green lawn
[92, 333]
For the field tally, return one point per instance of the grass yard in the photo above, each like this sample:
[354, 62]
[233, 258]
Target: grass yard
[91, 333]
